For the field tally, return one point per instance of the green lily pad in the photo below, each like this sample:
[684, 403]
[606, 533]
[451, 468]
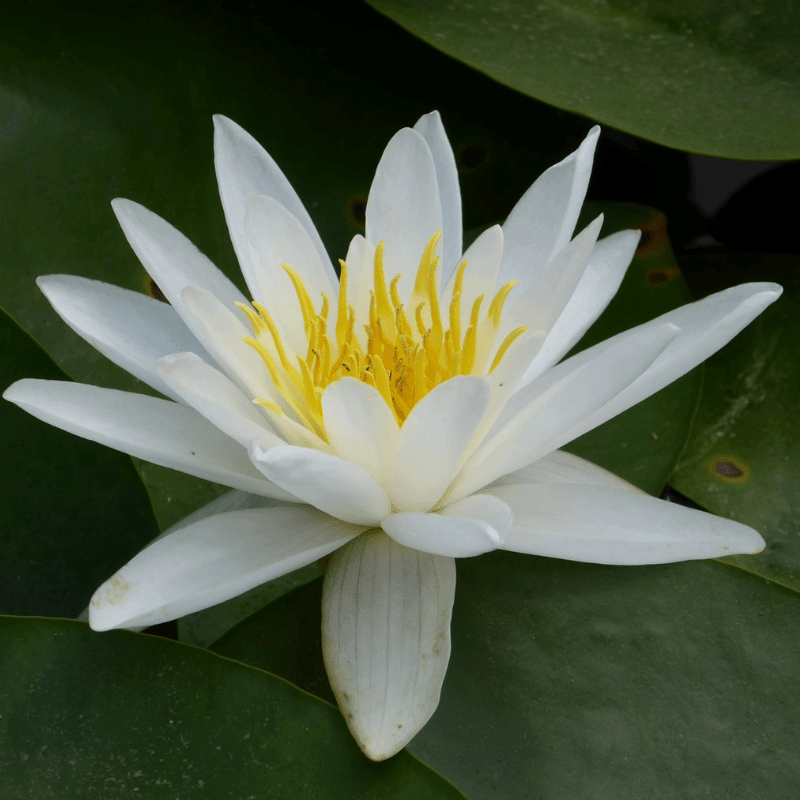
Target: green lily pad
[717, 78]
[129, 715]
[574, 680]
[742, 458]
[73, 511]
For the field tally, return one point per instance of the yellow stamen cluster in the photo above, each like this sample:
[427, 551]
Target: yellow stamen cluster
[403, 355]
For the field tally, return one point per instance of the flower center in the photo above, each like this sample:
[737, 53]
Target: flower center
[403, 355]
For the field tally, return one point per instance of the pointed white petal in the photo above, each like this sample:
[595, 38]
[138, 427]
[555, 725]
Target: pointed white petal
[276, 238]
[211, 560]
[432, 130]
[217, 398]
[705, 326]
[386, 638]
[222, 333]
[128, 328]
[339, 488]
[434, 440]
[603, 525]
[543, 301]
[170, 259]
[360, 426]
[563, 467]
[403, 209]
[245, 170]
[159, 431]
[541, 417]
[601, 279]
[477, 524]
[543, 220]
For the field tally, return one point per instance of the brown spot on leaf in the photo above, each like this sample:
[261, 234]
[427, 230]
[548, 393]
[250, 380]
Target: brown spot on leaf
[730, 469]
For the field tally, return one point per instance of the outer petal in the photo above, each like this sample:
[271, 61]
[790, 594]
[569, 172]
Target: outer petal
[547, 296]
[599, 283]
[339, 488]
[527, 431]
[158, 431]
[403, 209]
[604, 525]
[212, 560]
[543, 220]
[386, 638]
[246, 170]
[432, 130]
[128, 328]
[360, 426]
[170, 258]
[434, 440]
[477, 524]
[705, 327]
[563, 467]
[208, 391]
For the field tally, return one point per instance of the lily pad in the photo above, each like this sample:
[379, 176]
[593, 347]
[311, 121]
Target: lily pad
[130, 715]
[742, 458]
[716, 78]
[575, 680]
[73, 511]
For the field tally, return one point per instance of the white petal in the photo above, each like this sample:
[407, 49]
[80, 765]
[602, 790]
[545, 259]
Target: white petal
[599, 283]
[403, 209]
[477, 524]
[245, 170]
[543, 220]
[128, 328]
[432, 130]
[541, 417]
[541, 304]
[212, 560]
[339, 488]
[604, 525]
[360, 267]
[208, 391]
[170, 259]
[222, 332]
[158, 431]
[386, 638]
[563, 467]
[276, 238]
[483, 258]
[705, 326]
[434, 440]
[360, 426]
[485, 508]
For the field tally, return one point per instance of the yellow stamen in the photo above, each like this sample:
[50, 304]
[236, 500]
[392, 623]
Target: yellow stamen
[507, 342]
[405, 356]
[496, 307]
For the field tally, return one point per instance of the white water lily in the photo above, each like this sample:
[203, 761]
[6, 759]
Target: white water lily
[405, 416]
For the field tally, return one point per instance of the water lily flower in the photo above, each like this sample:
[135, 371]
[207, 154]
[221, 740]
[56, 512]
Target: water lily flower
[403, 415]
